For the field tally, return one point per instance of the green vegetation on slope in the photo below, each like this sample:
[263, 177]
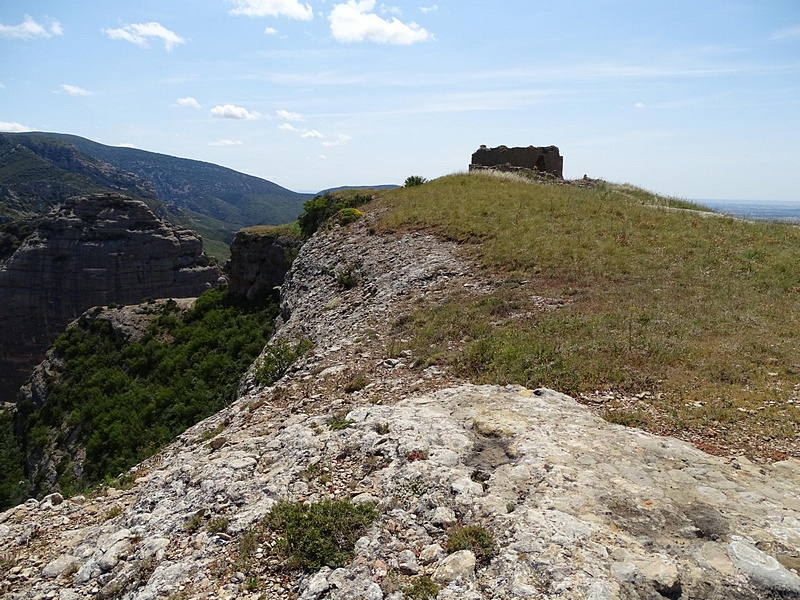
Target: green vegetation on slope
[700, 310]
[123, 401]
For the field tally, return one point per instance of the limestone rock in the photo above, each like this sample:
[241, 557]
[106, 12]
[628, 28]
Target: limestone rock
[459, 566]
[260, 259]
[93, 250]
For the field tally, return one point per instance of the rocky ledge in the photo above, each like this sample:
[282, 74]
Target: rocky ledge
[577, 507]
[93, 250]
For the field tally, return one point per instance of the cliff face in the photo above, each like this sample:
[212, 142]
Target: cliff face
[260, 259]
[578, 508]
[93, 250]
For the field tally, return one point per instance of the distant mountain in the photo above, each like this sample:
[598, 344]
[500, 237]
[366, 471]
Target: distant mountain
[386, 186]
[40, 170]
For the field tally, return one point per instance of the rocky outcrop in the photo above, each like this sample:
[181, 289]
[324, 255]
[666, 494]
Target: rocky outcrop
[260, 258]
[578, 508]
[545, 159]
[93, 250]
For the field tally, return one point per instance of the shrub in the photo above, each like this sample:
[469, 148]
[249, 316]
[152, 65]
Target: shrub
[278, 357]
[414, 180]
[321, 208]
[347, 216]
[320, 534]
[471, 537]
[422, 588]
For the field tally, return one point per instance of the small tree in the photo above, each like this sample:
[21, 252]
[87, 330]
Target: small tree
[414, 180]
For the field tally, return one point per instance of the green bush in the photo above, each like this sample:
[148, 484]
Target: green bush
[320, 534]
[321, 208]
[414, 180]
[422, 588]
[12, 477]
[471, 537]
[278, 357]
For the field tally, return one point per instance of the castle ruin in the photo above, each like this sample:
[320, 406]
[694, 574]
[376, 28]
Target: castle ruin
[544, 159]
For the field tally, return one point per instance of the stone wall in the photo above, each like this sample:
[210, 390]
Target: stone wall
[545, 159]
[94, 250]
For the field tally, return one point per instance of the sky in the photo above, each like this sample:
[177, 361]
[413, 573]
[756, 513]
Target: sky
[698, 100]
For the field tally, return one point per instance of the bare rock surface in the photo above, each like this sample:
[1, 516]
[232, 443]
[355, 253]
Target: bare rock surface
[578, 507]
[93, 250]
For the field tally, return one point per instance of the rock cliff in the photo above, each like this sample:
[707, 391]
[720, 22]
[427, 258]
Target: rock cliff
[93, 250]
[260, 259]
[578, 508]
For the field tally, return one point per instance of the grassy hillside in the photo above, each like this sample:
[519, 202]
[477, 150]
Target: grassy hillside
[695, 313]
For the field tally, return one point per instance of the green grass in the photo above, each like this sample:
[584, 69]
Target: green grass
[657, 298]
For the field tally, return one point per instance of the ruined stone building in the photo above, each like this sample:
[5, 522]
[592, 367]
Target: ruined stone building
[545, 159]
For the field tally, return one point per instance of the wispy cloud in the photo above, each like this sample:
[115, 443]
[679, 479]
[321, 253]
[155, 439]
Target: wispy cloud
[270, 31]
[74, 90]
[188, 101]
[141, 34]
[786, 33]
[354, 21]
[29, 29]
[303, 133]
[231, 111]
[289, 116]
[340, 140]
[429, 9]
[223, 143]
[13, 127]
[273, 8]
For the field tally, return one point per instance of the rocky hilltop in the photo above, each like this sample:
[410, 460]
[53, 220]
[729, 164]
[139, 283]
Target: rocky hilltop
[93, 250]
[576, 507]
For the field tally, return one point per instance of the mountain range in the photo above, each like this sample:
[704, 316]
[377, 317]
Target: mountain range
[40, 170]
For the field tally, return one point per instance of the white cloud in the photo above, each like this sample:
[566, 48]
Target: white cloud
[30, 29]
[322, 157]
[639, 105]
[223, 143]
[354, 21]
[74, 90]
[340, 140]
[13, 127]
[304, 133]
[270, 31]
[231, 111]
[429, 9]
[188, 101]
[273, 8]
[786, 33]
[391, 9]
[289, 116]
[140, 33]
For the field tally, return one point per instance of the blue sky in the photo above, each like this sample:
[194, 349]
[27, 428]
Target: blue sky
[695, 99]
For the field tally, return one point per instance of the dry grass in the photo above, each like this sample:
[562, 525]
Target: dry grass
[700, 310]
